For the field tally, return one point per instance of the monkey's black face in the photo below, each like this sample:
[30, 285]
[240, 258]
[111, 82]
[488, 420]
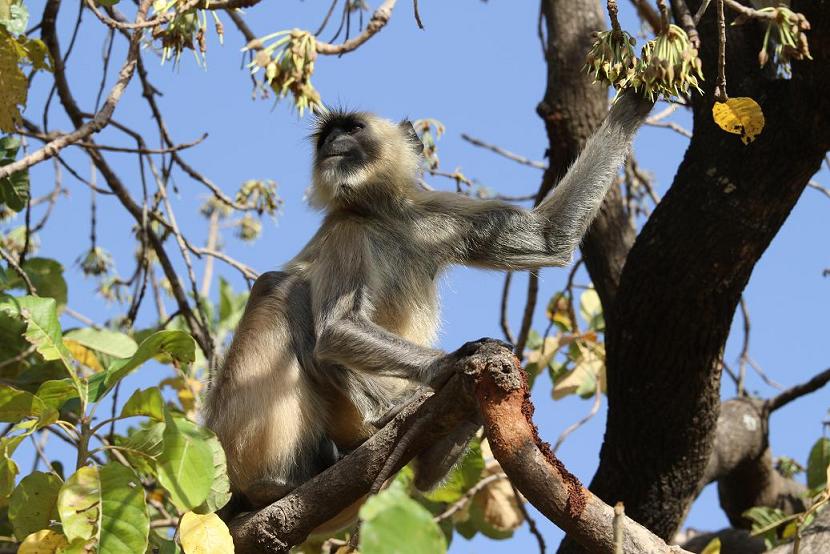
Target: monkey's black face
[344, 143]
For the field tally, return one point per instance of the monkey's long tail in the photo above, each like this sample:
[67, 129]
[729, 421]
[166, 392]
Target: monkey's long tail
[397, 454]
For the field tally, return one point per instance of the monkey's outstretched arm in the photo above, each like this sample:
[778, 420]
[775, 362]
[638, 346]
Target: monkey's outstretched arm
[498, 235]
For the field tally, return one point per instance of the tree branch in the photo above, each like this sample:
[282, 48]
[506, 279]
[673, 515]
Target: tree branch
[492, 376]
[96, 123]
[378, 21]
[798, 391]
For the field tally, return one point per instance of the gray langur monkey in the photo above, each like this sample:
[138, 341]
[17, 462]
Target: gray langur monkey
[344, 333]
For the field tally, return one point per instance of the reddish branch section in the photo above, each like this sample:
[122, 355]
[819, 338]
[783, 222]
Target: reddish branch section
[504, 402]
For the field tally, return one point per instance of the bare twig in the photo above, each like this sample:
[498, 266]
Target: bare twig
[684, 16]
[527, 316]
[19, 270]
[720, 82]
[574, 426]
[664, 15]
[701, 10]
[417, 14]
[109, 148]
[612, 15]
[503, 319]
[531, 522]
[646, 12]
[502, 152]
[378, 21]
[619, 527]
[822, 189]
[465, 499]
[798, 391]
[98, 122]
[80, 317]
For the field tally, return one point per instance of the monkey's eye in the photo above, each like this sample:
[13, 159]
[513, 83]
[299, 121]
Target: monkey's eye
[356, 127]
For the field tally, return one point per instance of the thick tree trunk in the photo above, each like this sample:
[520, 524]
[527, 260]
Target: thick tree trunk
[685, 273]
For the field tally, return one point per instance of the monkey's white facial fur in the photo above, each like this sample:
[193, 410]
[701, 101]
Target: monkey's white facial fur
[359, 158]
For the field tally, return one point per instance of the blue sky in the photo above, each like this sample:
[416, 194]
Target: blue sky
[478, 68]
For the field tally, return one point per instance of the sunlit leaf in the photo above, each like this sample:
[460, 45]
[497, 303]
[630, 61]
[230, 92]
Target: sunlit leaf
[818, 463]
[106, 341]
[394, 522]
[179, 345]
[79, 504]
[14, 86]
[713, 547]
[125, 522]
[83, 355]
[204, 534]
[184, 466]
[147, 402]
[220, 489]
[42, 542]
[55, 393]
[17, 404]
[741, 116]
[42, 328]
[106, 503]
[33, 503]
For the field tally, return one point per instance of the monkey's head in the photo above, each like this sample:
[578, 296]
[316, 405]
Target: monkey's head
[360, 158]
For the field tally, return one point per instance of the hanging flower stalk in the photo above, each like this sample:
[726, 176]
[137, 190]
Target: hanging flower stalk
[790, 43]
[288, 63]
[611, 57]
[669, 65]
[186, 30]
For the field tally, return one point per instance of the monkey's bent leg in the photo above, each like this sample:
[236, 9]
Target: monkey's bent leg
[433, 464]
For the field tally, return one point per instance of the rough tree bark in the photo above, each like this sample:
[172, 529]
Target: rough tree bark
[684, 275]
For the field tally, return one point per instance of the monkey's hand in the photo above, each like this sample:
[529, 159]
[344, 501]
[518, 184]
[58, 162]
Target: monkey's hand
[443, 367]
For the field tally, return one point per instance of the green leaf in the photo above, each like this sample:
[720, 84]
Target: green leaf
[463, 476]
[106, 503]
[14, 88]
[33, 503]
[145, 446]
[125, 522]
[8, 467]
[79, 504]
[106, 341]
[767, 520]
[179, 345]
[817, 463]
[46, 275]
[713, 547]
[220, 490]
[184, 465]
[17, 404]
[55, 393]
[394, 522]
[147, 402]
[42, 328]
[14, 189]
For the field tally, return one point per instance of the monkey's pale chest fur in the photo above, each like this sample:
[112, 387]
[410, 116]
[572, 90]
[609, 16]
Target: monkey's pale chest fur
[394, 278]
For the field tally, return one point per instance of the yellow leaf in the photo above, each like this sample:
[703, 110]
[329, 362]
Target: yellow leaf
[589, 371]
[790, 530]
[741, 116]
[497, 501]
[42, 542]
[14, 86]
[713, 547]
[204, 534]
[83, 355]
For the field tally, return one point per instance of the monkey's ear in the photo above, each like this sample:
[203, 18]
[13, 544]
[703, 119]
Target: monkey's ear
[412, 136]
